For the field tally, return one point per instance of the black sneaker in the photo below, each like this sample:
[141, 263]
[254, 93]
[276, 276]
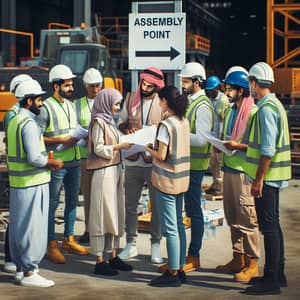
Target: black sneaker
[105, 269]
[119, 264]
[181, 275]
[84, 239]
[282, 280]
[165, 280]
[263, 288]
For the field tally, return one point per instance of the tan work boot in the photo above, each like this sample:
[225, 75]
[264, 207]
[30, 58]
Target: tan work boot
[236, 265]
[69, 244]
[248, 272]
[54, 254]
[192, 263]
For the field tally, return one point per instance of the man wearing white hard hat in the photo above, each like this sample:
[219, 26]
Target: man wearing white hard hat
[92, 80]
[200, 114]
[9, 266]
[29, 178]
[56, 120]
[268, 166]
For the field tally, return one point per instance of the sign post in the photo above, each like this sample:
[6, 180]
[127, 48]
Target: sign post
[157, 40]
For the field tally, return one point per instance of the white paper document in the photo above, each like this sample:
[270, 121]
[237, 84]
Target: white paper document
[219, 144]
[78, 133]
[142, 137]
[132, 150]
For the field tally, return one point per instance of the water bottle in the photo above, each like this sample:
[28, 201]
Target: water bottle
[145, 203]
[213, 229]
[206, 233]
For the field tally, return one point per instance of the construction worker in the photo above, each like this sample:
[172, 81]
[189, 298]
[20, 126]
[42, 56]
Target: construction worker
[29, 178]
[9, 266]
[92, 80]
[56, 119]
[200, 114]
[238, 203]
[269, 168]
[220, 103]
[141, 108]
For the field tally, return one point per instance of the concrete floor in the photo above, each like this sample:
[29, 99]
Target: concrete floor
[75, 280]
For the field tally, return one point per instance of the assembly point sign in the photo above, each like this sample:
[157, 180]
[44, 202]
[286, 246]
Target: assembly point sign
[157, 39]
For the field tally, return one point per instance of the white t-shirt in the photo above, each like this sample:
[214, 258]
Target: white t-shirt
[163, 135]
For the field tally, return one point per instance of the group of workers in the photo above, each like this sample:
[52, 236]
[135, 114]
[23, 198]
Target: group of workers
[249, 119]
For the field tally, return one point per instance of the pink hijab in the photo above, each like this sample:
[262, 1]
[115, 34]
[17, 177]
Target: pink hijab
[242, 118]
[103, 103]
[152, 75]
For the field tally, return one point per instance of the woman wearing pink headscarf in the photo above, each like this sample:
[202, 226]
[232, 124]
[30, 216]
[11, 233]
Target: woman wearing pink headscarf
[106, 220]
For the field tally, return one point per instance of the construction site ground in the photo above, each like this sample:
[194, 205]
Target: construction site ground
[76, 280]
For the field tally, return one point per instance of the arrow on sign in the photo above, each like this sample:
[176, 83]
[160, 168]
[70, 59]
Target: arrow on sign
[172, 53]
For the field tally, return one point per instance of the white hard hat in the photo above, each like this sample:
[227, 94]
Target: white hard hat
[17, 80]
[28, 88]
[193, 70]
[234, 69]
[263, 73]
[92, 76]
[60, 72]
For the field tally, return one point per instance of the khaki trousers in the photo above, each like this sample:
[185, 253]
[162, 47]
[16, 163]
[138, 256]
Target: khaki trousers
[240, 213]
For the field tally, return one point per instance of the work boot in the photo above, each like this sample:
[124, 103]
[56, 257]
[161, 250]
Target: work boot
[214, 192]
[236, 265]
[85, 238]
[281, 278]
[69, 244]
[54, 254]
[264, 287]
[192, 263]
[250, 271]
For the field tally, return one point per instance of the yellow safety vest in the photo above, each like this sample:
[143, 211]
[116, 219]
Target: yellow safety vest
[199, 155]
[21, 173]
[237, 160]
[60, 123]
[280, 167]
[83, 113]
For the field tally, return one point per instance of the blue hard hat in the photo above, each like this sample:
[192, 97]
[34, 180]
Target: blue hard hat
[238, 78]
[212, 82]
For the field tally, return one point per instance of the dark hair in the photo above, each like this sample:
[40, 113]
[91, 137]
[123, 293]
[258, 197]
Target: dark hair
[23, 103]
[58, 82]
[177, 102]
[246, 92]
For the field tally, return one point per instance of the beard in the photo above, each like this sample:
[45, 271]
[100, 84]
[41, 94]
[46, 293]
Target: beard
[188, 91]
[253, 93]
[65, 95]
[147, 94]
[35, 109]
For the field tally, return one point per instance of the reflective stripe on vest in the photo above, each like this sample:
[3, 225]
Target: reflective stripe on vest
[60, 123]
[21, 173]
[237, 160]
[83, 113]
[171, 176]
[280, 167]
[199, 155]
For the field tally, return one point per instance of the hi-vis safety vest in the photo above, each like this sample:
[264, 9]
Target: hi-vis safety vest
[199, 155]
[60, 123]
[280, 167]
[21, 173]
[83, 113]
[237, 160]
[171, 176]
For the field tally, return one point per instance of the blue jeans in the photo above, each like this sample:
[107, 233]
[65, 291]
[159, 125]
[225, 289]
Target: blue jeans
[193, 210]
[70, 178]
[170, 217]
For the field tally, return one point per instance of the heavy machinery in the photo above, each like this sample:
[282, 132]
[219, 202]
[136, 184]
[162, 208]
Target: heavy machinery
[77, 48]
